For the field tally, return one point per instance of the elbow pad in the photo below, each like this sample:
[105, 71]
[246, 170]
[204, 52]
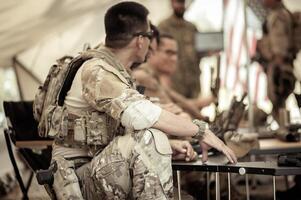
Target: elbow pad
[140, 115]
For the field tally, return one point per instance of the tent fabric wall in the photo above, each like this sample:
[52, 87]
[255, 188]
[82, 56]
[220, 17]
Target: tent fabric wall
[86, 28]
[26, 23]
[28, 84]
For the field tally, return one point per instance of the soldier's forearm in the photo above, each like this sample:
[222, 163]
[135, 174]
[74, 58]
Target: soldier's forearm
[189, 107]
[193, 111]
[175, 125]
[204, 101]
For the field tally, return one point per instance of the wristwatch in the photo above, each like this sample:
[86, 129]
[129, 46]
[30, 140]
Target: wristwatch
[202, 127]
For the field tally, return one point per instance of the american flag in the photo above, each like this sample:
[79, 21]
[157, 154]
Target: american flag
[235, 58]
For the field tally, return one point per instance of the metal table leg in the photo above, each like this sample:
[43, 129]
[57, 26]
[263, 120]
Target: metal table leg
[286, 182]
[229, 186]
[208, 185]
[217, 186]
[179, 184]
[247, 187]
[253, 178]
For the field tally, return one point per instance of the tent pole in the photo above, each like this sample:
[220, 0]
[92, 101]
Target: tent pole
[245, 37]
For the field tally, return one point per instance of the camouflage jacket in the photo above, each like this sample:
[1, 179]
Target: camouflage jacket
[107, 90]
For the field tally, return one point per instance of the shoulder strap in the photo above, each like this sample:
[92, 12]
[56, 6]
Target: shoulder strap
[74, 65]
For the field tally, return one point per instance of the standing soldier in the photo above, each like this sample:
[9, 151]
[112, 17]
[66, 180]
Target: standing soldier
[276, 51]
[186, 80]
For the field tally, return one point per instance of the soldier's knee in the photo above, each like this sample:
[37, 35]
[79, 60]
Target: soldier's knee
[125, 144]
[148, 138]
[159, 139]
[110, 171]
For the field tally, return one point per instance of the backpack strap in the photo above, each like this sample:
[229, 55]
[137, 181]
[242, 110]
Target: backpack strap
[75, 64]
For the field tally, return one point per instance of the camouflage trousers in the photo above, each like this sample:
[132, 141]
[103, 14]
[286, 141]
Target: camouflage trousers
[133, 166]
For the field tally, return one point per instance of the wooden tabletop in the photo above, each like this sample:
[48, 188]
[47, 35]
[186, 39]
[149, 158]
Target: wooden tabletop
[276, 143]
[34, 144]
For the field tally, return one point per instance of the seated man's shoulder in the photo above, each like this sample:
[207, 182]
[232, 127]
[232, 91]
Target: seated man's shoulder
[145, 79]
[96, 63]
[99, 65]
[140, 74]
[98, 70]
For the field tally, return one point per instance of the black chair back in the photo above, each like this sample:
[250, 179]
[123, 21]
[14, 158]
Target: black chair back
[23, 127]
[20, 120]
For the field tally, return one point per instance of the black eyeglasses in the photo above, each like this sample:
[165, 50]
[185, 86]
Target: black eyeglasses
[149, 35]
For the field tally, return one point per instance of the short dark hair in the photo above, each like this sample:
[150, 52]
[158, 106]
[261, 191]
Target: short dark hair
[122, 21]
[156, 33]
[165, 35]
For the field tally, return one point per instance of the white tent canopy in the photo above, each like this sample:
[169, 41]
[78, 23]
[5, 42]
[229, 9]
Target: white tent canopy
[27, 23]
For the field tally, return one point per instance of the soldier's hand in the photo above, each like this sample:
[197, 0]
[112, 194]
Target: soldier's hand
[210, 140]
[182, 150]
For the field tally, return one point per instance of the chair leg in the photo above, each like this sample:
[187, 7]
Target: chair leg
[15, 166]
[29, 181]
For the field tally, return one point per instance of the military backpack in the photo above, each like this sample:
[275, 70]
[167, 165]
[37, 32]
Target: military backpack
[51, 95]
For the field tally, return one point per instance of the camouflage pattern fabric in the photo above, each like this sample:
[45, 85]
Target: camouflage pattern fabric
[132, 164]
[186, 79]
[107, 89]
[65, 182]
[276, 49]
[138, 170]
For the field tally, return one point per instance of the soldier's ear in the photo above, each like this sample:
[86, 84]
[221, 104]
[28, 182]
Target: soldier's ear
[139, 42]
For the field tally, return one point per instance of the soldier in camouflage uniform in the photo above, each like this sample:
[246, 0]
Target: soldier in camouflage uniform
[186, 80]
[276, 52]
[116, 145]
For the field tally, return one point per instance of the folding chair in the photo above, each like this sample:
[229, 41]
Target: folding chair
[22, 132]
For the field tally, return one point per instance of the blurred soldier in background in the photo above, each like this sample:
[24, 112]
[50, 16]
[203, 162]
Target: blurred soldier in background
[277, 50]
[276, 54]
[154, 75]
[186, 79]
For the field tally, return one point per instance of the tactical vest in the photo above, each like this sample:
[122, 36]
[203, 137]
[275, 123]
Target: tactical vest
[75, 130]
